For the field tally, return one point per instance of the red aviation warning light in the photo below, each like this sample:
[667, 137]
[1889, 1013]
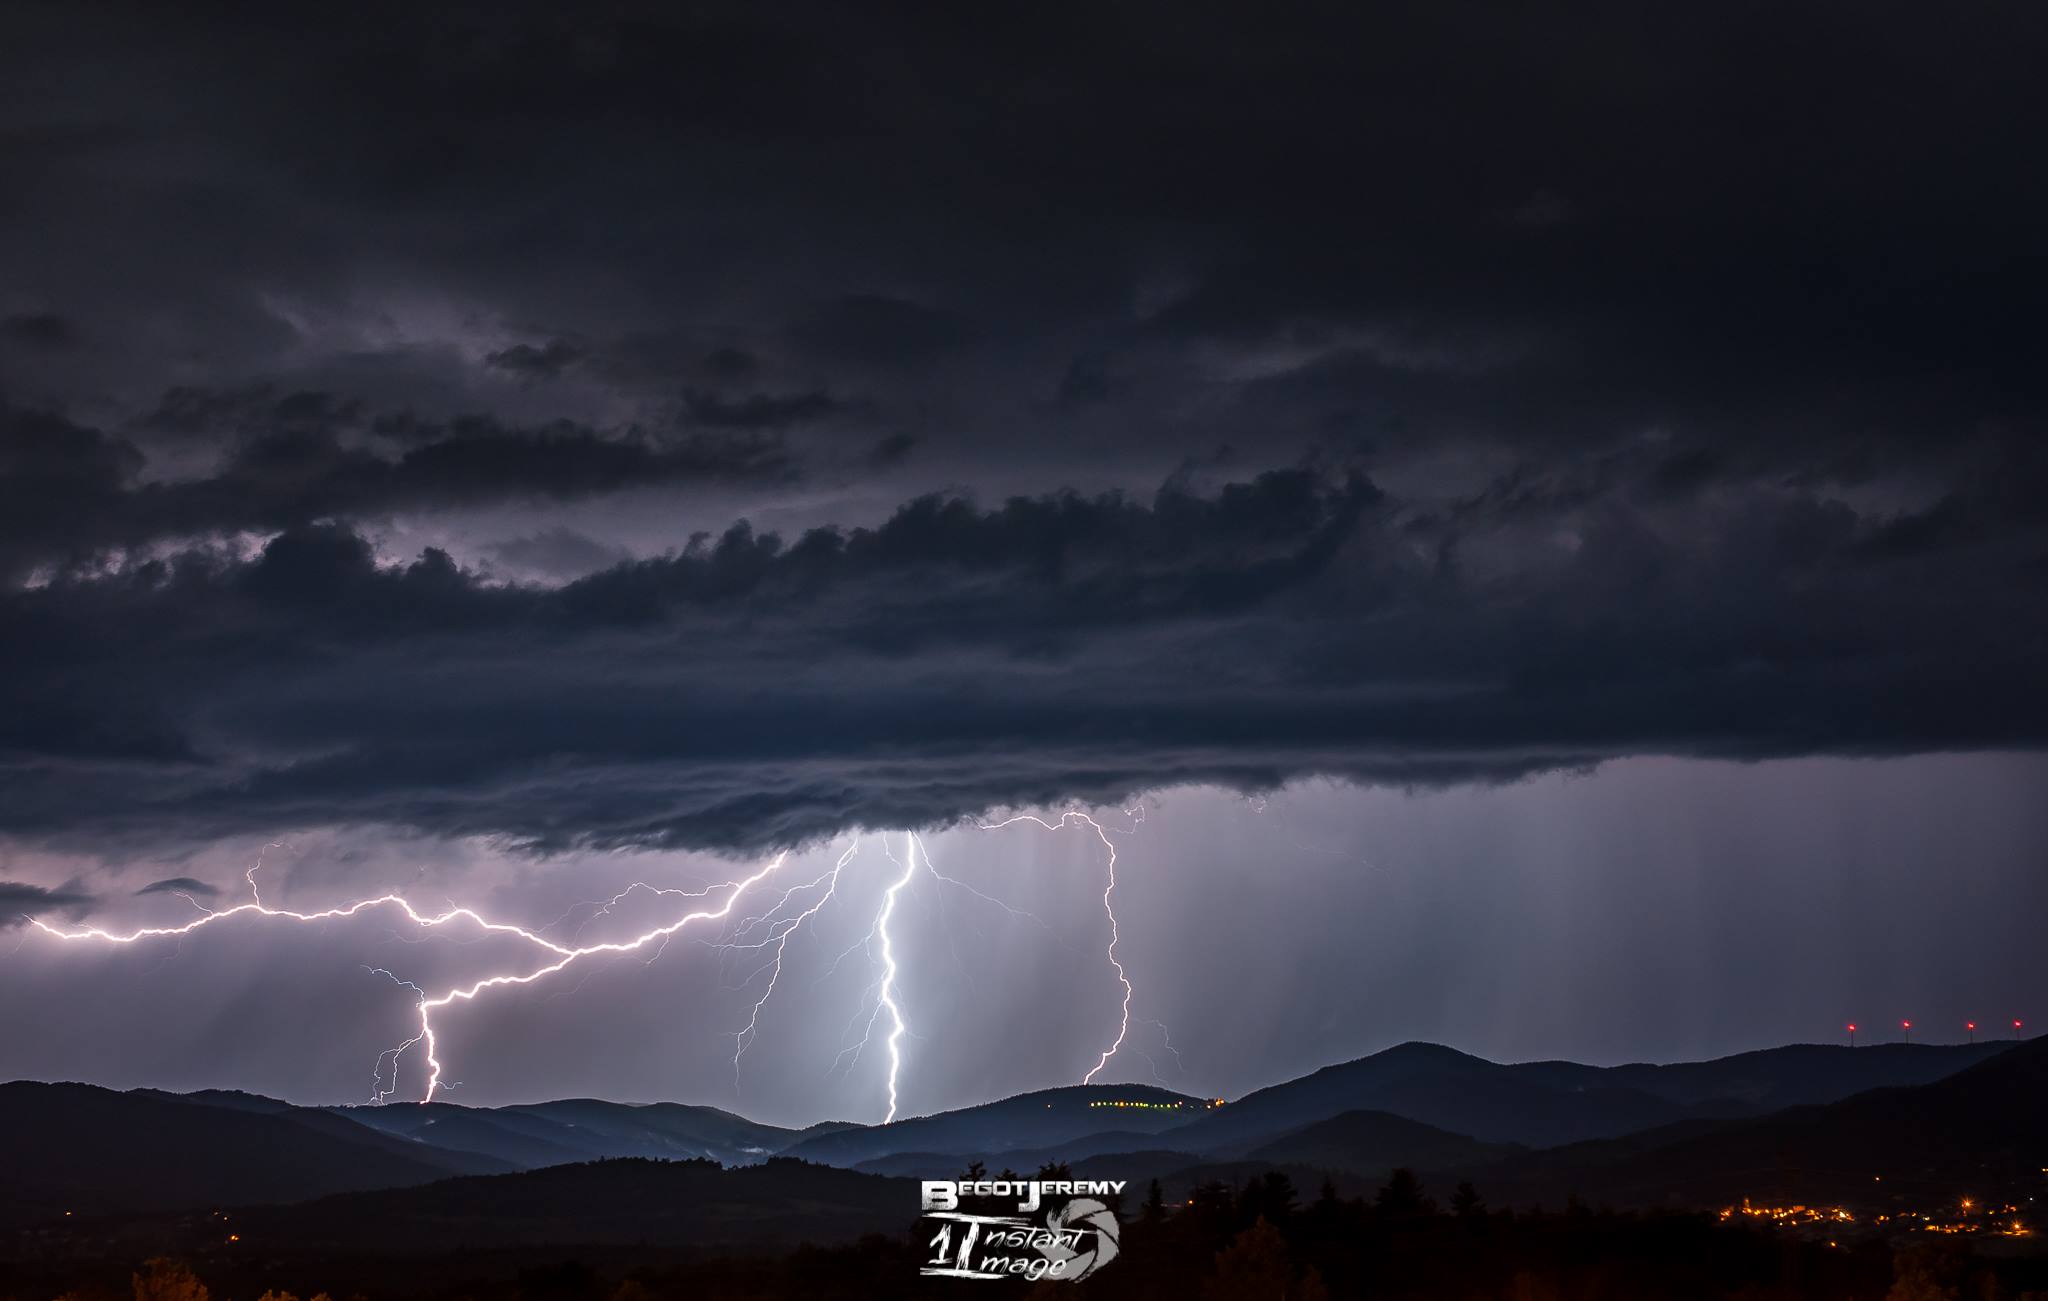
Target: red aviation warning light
[1907, 1026]
[1971, 1026]
[1852, 1034]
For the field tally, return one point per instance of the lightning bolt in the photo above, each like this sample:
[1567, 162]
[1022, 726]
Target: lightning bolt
[779, 939]
[468, 993]
[1166, 1041]
[768, 931]
[1015, 912]
[602, 907]
[378, 1093]
[885, 1000]
[564, 955]
[1075, 817]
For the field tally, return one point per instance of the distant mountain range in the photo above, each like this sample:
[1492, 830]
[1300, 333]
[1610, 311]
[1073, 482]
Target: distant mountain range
[1029, 1120]
[1797, 1119]
[75, 1148]
[1545, 1104]
[1982, 1131]
[582, 1129]
[613, 1202]
[1371, 1141]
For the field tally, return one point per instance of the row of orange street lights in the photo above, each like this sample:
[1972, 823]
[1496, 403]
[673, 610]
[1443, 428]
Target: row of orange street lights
[1907, 1026]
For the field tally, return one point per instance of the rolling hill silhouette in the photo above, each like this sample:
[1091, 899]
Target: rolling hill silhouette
[624, 1201]
[1438, 1086]
[1971, 1134]
[231, 1099]
[76, 1147]
[446, 1127]
[1364, 1143]
[1678, 1135]
[1771, 1079]
[1374, 1142]
[665, 1129]
[1546, 1104]
[532, 1135]
[1118, 1144]
[1028, 1120]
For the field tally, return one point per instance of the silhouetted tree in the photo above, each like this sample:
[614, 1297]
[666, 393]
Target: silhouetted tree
[1403, 1198]
[1256, 1266]
[1211, 1212]
[1154, 1209]
[1923, 1274]
[1061, 1170]
[1466, 1203]
[1269, 1197]
[1328, 1218]
[164, 1279]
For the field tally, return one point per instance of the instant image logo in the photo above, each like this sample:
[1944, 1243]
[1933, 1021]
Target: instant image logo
[1021, 1228]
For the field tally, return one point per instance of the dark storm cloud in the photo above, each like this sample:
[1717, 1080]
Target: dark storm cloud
[891, 449]
[875, 329]
[558, 552]
[750, 690]
[1697, 349]
[19, 901]
[1805, 233]
[68, 492]
[529, 362]
[252, 410]
[759, 410]
[730, 365]
[42, 330]
[180, 885]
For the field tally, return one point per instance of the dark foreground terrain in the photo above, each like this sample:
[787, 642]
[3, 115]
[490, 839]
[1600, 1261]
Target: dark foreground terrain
[1260, 1239]
[1906, 1175]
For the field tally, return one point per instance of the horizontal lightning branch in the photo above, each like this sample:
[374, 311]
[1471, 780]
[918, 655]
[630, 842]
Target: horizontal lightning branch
[768, 931]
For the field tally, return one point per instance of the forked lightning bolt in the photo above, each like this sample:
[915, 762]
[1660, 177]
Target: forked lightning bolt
[564, 955]
[779, 940]
[1075, 817]
[769, 930]
[467, 993]
[887, 997]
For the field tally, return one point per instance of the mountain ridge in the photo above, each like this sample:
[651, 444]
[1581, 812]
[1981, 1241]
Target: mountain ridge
[81, 1147]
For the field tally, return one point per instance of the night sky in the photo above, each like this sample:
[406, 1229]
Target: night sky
[1528, 531]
